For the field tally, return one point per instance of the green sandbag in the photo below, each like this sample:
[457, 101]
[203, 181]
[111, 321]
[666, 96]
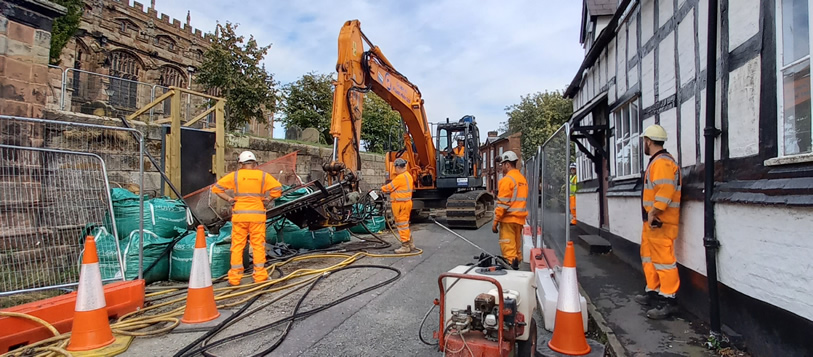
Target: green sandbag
[154, 247]
[298, 238]
[163, 216]
[106, 249]
[341, 236]
[271, 235]
[374, 224]
[180, 262]
[291, 195]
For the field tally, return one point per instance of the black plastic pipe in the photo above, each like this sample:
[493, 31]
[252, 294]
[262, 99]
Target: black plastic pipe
[711, 132]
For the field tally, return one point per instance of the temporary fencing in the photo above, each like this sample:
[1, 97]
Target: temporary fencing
[548, 176]
[55, 179]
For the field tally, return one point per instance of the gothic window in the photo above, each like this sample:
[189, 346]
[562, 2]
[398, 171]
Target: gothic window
[165, 42]
[126, 26]
[171, 76]
[123, 90]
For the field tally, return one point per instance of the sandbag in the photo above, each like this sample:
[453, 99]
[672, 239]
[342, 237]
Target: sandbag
[162, 216]
[154, 247]
[106, 249]
[299, 238]
[180, 261]
[291, 195]
[341, 236]
[374, 224]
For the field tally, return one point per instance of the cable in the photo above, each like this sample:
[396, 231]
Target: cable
[296, 314]
[420, 328]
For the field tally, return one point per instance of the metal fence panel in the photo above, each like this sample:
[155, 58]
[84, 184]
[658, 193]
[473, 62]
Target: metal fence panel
[48, 199]
[120, 152]
[555, 159]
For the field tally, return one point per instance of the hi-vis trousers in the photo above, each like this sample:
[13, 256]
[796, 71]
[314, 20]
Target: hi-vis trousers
[658, 259]
[239, 234]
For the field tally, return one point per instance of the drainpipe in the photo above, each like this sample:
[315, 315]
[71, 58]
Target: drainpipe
[711, 132]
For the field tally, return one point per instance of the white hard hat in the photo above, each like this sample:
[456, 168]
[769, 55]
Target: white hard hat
[655, 132]
[246, 156]
[572, 166]
[509, 156]
[400, 162]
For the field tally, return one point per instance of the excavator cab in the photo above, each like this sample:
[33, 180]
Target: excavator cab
[459, 161]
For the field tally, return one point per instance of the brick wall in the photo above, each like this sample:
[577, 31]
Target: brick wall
[25, 40]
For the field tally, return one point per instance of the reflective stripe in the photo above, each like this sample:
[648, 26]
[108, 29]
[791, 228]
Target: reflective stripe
[674, 204]
[503, 205]
[248, 195]
[666, 295]
[220, 187]
[647, 289]
[663, 199]
[236, 189]
[664, 182]
[515, 210]
[276, 189]
[90, 295]
[665, 266]
[402, 199]
[516, 186]
[402, 191]
[568, 300]
[649, 185]
[249, 212]
[403, 229]
[259, 265]
[648, 203]
[646, 259]
[201, 274]
[237, 266]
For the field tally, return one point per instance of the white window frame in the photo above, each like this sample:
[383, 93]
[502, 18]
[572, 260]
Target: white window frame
[637, 166]
[584, 166]
[780, 117]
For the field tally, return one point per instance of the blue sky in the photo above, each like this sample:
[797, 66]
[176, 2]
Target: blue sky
[467, 57]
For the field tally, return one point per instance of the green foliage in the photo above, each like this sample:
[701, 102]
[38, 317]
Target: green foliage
[64, 27]
[308, 103]
[538, 116]
[378, 119]
[233, 66]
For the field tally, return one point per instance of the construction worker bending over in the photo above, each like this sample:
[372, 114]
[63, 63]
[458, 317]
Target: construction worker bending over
[400, 191]
[661, 216]
[253, 189]
[573, 188]
[510, 212]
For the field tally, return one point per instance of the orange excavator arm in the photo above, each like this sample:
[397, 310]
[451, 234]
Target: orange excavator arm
[360, 71]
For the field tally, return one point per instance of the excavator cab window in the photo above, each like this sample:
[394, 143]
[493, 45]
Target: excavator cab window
[454, 148]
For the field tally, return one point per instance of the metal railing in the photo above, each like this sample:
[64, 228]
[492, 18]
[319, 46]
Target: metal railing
[56, 177]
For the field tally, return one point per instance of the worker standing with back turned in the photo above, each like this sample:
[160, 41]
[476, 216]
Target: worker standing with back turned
[510, 212]
[253, 189]
[400, 191]
[660, 207]
[573, 188]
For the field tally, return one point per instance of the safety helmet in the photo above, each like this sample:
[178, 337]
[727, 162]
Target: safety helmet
[461, 138]
[655, 132]
[246, 156]
[572, 166]
[399, 162]
[509, 156]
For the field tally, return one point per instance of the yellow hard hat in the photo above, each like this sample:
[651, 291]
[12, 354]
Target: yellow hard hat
[655, 132]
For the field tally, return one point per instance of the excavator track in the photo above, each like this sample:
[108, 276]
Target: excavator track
[470, 209]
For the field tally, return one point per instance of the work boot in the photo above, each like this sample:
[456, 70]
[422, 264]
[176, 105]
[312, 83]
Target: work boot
[647, 298]
[515, 264]
[666, 308]
[411, 245]
[404, 248]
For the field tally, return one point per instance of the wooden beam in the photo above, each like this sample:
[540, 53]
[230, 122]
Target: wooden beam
[147, 107]
[199, 94]
[175, 144]
[220, 139]
[200, 116]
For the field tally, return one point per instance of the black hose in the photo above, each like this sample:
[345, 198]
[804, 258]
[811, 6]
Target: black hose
[295, 316]
[216, 329]
[420, 328]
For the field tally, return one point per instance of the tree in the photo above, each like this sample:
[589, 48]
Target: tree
[233, 67]
[64, 27]
[538, 116]
[308, 103]
[378, 119]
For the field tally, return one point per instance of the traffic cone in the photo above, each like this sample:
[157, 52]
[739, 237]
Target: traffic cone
[200, 299]
[91, 329]
[568, 330]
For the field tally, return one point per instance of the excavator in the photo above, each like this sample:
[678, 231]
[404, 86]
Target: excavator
[449, 178]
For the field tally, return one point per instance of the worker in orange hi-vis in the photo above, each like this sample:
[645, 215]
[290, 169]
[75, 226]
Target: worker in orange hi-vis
[660, 206]
[253, 189]
[460, 149]
[400, 191]
[573, 189]
[510, 212]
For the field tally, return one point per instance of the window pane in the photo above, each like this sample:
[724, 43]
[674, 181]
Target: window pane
[796, 104]
[795, 30]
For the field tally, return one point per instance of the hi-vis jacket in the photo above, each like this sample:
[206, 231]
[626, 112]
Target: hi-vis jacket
[513, 190]
[662, 182]
[250, 187]
[459, 150]
[400, 189]
[573, 185]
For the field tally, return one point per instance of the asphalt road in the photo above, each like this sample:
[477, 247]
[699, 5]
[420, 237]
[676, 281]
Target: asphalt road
[383, 322]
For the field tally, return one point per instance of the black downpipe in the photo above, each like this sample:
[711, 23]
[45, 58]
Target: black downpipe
[711, 132]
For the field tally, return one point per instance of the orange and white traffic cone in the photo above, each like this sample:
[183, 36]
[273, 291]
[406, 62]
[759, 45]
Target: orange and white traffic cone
[91, 329]
[200, 299]
[568, 331]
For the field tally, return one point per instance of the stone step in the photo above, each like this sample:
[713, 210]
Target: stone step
[595, 244]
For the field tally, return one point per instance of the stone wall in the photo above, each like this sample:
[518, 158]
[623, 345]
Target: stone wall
[122, 164]
[25, 40]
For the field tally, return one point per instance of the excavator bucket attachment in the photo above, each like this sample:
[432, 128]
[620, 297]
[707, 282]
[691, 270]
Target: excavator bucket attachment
[470, 209]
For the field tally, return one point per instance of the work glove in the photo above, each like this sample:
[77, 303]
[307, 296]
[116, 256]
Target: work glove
[494, 228]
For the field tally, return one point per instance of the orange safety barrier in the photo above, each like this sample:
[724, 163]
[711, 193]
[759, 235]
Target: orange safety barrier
[122, 297]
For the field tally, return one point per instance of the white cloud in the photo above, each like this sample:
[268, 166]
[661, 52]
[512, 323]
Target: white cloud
[466, 57]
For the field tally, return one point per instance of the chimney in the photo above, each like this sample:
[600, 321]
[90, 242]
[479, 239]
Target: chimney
[188, 18]
[493, 134]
